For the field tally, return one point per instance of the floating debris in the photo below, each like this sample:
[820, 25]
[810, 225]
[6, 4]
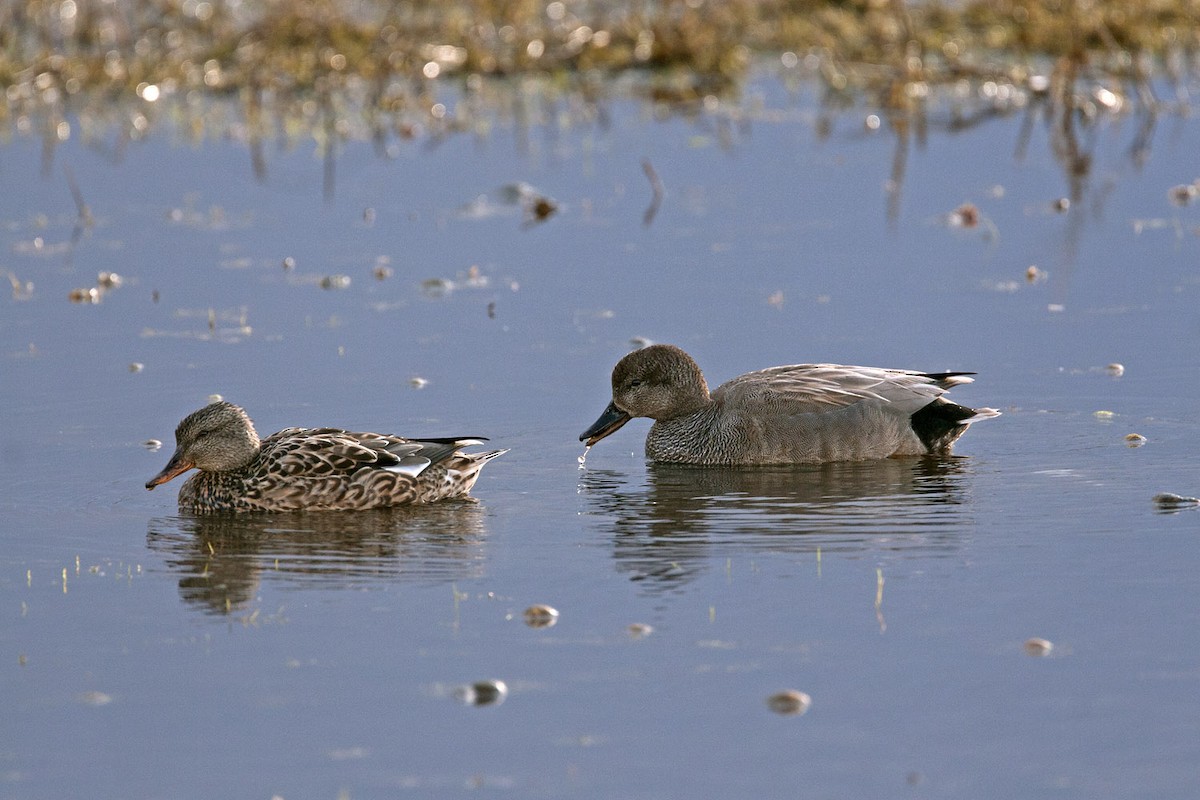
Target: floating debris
[789, 702]
[776, 299]
[657, 190]
[335, 281]
[1034, 275]
[95, 698]
[289, 264]
[136, 367]
[1183, 194]
[1038, 646]
[1056, 308]
[968, 217]
[1061, 205]
[1168, 501]
[86, 296]
[640, 342]
[1102, 414]
[215, 398]
[965, 216]
[368, 216]
[1135, 439]
[639, 630]
[436, 287]
[541, 209]
[382, 272]
[152, 445]
[21, 290]
[482, 693]
[491, 310]
[541, 616]
[417, 382]
[109, 280]
[475, 279]
[1115, 369]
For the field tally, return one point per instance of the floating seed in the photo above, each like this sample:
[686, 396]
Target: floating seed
[965, 216]
[1038, 646]
[109, 280]
[382, 272]
[1033, 274]
[369, 216]
[335, 281]
[1183, 194]
[482, 693]
[1061, 205]
[136, 367]
[215, 398]
[87, 296]
[417, 382]
[491, 310]
[1135, 439]
[789, 702]
[640, 630]
[1116, 370]
[1103, 414]
[540, 616]
[289, 263]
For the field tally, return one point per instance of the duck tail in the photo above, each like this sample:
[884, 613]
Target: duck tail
[939, 424]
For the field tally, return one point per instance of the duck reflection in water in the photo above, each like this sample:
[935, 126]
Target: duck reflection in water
[221, 559]
[670, 529]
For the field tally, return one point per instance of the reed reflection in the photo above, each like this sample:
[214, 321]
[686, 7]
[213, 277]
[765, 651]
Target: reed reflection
[669, 528]
[221, 559]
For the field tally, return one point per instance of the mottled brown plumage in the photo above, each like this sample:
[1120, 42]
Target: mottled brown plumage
[312, 469]
[798, 414]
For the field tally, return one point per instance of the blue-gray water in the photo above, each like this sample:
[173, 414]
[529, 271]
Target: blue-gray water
[145, 655]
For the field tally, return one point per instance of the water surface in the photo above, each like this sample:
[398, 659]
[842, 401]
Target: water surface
[148, 654]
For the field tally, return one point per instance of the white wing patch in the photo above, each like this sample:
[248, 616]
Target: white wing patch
[412, 466]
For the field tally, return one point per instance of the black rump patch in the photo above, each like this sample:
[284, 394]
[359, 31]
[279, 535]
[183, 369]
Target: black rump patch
[940, 423]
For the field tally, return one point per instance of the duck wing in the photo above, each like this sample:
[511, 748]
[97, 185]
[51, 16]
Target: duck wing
[331, 452]
[816, 388]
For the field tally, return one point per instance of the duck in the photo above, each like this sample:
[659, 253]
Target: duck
[311, 469]
[796, 414]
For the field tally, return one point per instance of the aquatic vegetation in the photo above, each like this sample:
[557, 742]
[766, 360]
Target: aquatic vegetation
[305, 65]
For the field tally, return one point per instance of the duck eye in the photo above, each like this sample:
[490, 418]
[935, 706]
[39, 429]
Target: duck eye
[636, 382]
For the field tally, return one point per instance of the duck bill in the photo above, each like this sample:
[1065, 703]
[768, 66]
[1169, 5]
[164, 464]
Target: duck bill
[176, 466]
[612, 419]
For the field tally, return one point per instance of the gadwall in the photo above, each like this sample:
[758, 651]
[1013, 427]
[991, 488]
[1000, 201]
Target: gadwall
[801, 414]
[323, 469]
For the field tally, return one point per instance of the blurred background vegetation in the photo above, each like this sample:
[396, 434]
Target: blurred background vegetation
[326, 66]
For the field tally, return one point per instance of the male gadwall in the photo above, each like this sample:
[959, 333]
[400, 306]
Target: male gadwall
[801, 414]
[317, 469]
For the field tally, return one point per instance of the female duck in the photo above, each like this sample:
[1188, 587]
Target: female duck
[313, 469]
[800, 414]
